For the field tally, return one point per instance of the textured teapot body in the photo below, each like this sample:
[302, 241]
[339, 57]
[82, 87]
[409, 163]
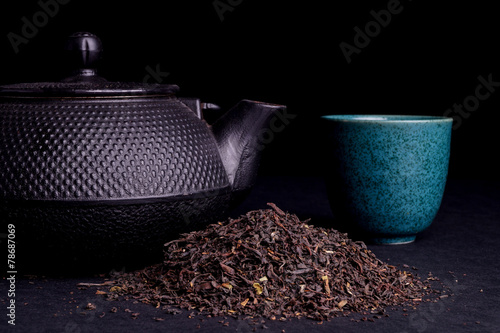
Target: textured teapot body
[111, 179]
[110, 149]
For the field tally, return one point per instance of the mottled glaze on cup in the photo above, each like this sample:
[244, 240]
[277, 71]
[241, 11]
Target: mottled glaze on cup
[386, 174]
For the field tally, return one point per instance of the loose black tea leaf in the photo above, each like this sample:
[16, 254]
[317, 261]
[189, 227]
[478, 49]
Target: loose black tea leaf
[269, 263]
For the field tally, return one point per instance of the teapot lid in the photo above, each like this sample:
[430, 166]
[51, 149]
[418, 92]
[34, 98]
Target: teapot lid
[84, 50]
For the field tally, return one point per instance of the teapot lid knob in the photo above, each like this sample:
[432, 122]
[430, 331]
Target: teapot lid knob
[84, 51]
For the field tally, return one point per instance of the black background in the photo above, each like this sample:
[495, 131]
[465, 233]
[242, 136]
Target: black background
[426, 59]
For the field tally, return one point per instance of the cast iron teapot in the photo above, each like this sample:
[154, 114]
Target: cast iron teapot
[112, 169]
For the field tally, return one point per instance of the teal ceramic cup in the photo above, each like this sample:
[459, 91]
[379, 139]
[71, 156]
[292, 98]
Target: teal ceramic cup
[386, 174]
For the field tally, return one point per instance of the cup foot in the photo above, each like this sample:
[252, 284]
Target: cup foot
[393, 240]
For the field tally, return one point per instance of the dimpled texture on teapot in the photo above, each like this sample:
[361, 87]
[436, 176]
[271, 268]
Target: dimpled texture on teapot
[105, 150]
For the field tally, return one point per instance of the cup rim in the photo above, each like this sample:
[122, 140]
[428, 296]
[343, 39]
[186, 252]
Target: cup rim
[384, 118]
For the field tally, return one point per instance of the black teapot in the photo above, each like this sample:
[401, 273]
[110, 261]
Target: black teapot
[115, 169]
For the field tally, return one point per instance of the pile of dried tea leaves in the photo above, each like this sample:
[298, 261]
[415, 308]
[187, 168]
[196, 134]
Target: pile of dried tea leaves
[270, 264]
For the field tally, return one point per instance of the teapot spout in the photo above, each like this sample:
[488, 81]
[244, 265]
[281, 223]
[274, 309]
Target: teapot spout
[241, 135]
